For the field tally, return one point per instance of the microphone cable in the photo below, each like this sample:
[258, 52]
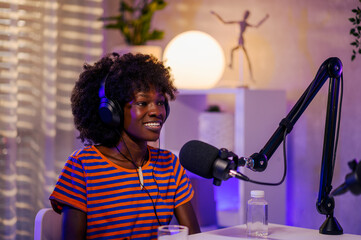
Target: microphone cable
[338, 122]
[140, 183]
[284, 168]
[284, 142]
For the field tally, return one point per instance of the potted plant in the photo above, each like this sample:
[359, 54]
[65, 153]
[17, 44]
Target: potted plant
[134, 22]
[356, 32]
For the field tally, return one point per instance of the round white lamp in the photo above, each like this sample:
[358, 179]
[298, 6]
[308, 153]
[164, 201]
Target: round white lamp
[196, 59]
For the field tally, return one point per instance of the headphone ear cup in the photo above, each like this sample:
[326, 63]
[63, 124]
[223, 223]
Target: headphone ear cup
[167, 109]
[109, 113]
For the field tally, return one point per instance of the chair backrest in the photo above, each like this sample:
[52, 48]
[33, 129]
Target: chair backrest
[47, 225]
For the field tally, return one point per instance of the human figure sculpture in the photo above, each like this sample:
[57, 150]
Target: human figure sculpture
[243, 25]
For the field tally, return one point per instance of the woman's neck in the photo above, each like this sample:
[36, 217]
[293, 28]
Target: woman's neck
[127, 153]
[134, 150]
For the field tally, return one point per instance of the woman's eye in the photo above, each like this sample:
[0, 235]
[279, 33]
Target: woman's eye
[141, 103]
[161, 103]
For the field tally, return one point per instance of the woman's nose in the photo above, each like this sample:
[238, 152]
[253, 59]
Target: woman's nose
[156, 110]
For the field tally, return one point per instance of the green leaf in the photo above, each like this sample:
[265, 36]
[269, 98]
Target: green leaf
[156, 35]
[112, 26]
[353, 57]
[125, 7]
[352, 20]
[134, 20]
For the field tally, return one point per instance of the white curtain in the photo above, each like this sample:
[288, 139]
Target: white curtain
[43, 45]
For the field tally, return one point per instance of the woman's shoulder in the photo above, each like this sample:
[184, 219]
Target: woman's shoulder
[86, 150]
[160, 151]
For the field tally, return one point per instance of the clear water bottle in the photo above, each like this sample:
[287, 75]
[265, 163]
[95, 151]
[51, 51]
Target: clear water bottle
[257, 215]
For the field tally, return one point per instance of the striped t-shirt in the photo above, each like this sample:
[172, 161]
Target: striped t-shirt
[111, 196]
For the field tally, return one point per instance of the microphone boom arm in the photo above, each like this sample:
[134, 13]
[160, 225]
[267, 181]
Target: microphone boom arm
[331, 68]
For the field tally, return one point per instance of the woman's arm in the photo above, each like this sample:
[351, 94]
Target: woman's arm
[187, 217]
[74, 223]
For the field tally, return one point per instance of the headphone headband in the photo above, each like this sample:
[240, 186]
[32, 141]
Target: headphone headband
[110, 112]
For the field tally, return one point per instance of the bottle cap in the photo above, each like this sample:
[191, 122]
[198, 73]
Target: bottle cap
[257, 193]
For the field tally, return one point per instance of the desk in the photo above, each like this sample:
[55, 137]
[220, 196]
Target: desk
[275, 232]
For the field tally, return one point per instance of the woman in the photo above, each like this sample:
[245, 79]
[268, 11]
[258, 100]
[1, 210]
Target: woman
[117, 186]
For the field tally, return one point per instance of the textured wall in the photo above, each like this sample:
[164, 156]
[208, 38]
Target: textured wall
[285, 52]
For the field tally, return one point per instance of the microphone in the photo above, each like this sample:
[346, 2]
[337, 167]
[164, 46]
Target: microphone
[352, 180]
[209, 162]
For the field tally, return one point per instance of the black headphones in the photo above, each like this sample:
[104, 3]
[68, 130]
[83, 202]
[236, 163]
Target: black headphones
[110, 112]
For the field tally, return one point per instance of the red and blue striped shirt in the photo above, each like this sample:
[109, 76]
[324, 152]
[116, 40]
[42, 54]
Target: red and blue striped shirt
[111, 195]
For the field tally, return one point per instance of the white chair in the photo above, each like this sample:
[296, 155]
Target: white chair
[47, 225]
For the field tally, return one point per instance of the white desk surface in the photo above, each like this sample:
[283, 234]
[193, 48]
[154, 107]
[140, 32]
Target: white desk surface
[275, 232]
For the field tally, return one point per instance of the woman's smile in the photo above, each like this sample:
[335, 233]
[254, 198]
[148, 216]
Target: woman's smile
[153, 125]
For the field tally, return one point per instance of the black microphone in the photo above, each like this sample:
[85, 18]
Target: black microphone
[352, 180]
[209, 162]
